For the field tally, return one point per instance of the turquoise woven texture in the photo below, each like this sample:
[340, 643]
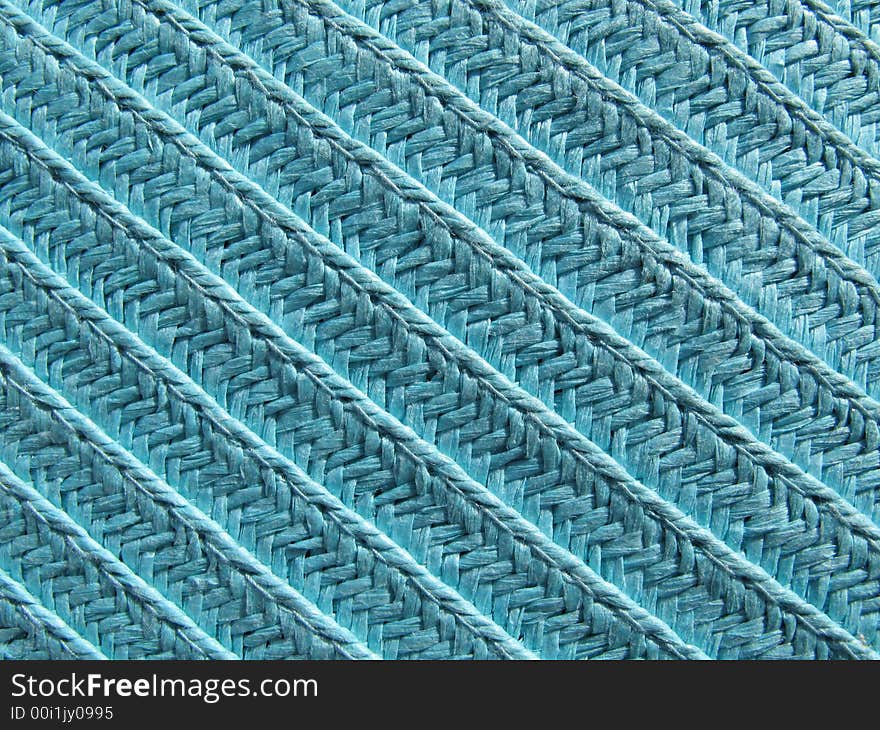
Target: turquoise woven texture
[433, 329]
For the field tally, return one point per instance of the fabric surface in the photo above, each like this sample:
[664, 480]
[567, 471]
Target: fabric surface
[433, 329]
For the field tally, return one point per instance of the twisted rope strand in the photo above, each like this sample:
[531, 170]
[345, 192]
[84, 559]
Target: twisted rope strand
[820, 57]
[355, 468]
[864, 14]
[28, 630]
[91, 589]
[240, 360]
[767, 263]
[154, 530]
[807, 424]
[814, 186]
[801, 141]
[793, 404]
[117, 216]
[775, 567]
[154, 363]
[379, 564]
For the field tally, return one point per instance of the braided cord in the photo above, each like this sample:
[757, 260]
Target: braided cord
[92, 591]
[307, 548]
[430, 340]
[758, 545]
[741, 565]
[820, 57]
[771, 405]
[358, 468]
[28, 630]
[864, 14]
[706, 214]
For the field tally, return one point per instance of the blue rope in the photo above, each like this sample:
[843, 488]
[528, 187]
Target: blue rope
[28, 630]
[439, 340]
[106, 603]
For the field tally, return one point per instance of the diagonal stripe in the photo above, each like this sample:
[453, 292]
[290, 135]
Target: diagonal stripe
[817, 563]
[93, 591]
[323, 340]
[28, 630]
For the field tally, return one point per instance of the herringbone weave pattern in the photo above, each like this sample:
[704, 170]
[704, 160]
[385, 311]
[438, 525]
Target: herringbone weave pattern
[434, 329]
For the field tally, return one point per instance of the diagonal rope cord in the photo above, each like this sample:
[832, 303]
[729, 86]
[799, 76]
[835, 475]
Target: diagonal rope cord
[699, 220]
[31, 522]
[186, 519]
[820, 57]
[117, 216]
[807, 424]
[309, 498]
[28, 630]
[274, 461]
[242, 385]
[864, 14]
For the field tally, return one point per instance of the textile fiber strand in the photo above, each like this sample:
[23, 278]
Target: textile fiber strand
[439, 329]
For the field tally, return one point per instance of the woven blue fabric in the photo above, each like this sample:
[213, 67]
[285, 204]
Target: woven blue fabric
[433, 329]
